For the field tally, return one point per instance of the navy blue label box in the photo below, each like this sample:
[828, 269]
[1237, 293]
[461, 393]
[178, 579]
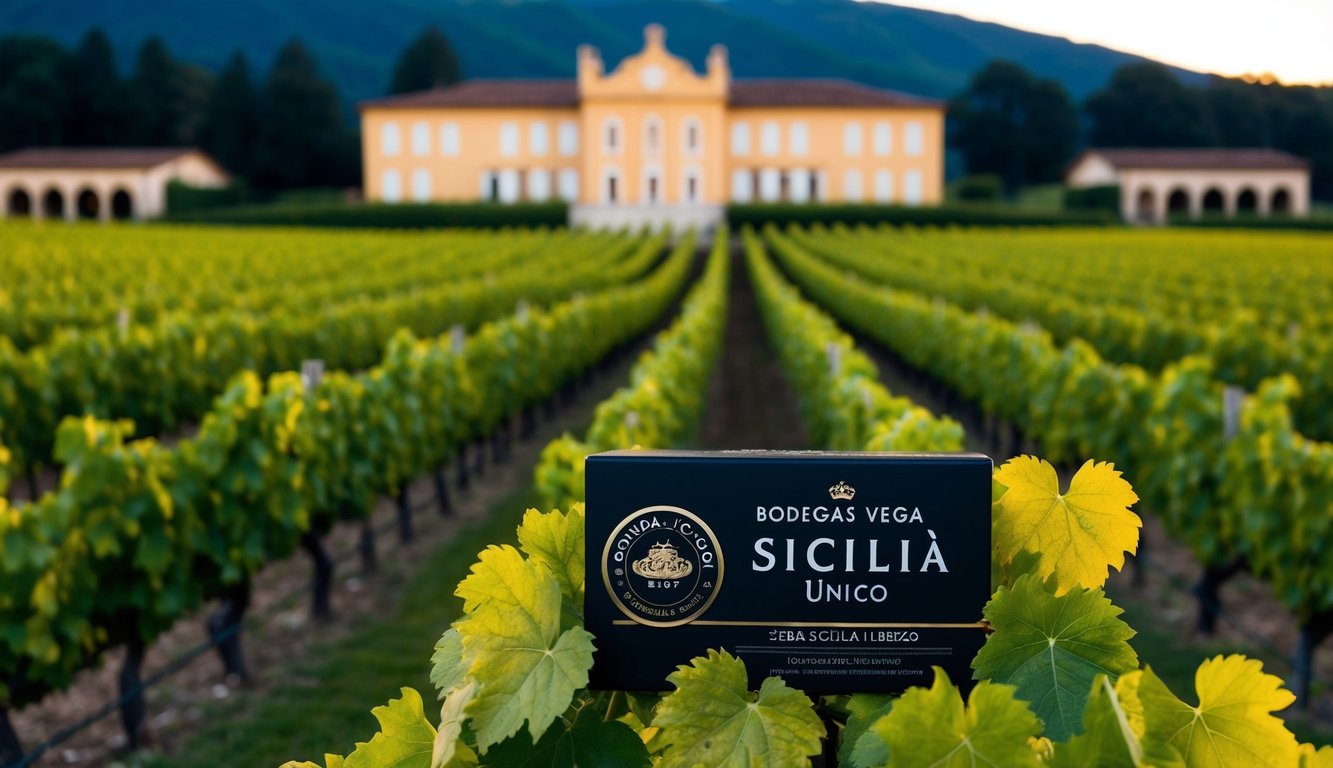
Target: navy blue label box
[837, 571]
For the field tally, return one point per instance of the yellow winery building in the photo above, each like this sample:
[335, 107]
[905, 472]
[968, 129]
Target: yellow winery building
[653, 142]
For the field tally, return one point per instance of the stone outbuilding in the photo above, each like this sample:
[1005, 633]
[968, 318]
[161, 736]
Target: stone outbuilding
[1159, 184]
[99, 183]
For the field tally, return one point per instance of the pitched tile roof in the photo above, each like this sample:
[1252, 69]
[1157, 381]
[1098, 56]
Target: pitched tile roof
[818, 93]
[92, 157]
[1195, 159]
[565, 93]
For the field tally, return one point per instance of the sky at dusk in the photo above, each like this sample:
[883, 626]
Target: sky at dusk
[1292, 39]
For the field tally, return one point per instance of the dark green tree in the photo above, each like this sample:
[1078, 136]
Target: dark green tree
[1240, 112]
[427, 62]
[1013, 125]
[1144, 105]
[230, 128]
[168, 96]
[32, 92]
[302, 140]
[99, 111]
[1302, 121]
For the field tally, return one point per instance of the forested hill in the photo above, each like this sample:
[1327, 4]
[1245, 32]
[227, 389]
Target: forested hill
[356, 41]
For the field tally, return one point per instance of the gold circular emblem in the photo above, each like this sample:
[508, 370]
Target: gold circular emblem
[662, 566]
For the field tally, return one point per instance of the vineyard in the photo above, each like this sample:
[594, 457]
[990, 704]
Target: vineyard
[184, 410]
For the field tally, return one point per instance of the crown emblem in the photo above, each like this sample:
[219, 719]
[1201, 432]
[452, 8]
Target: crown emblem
[842, 491]
[663, 562]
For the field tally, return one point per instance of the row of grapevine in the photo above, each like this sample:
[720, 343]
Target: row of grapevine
[664, 399]
[1202, 276]
[64, 278]
[1262, 496]
[162, 375]
[843, 404]
[1244, 347]
[139, 533]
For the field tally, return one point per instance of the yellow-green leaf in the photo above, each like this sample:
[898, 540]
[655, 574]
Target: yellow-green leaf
[1233, 725]
[1076, 535]
[450, 751]
[406, 739]
[555, 539]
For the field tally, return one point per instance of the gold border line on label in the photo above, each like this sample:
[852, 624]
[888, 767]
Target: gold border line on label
[606, 574]
[832, 624]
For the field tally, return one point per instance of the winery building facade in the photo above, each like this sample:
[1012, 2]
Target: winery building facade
[653, 142]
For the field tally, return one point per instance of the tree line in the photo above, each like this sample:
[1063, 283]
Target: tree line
[1025, 130]
[284, 130]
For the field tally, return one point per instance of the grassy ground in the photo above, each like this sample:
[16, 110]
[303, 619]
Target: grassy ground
[329, 709]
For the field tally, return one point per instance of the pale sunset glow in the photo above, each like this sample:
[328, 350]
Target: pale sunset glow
[1290, 39]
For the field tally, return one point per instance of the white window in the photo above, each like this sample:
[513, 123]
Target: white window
[421, 185]
[509, 186]
[391, 184]
[508, 139]
[537, 139]
[770, 185]
[913, 140]
[798, 185]
[612, 140]
[449, 139]
[569, 138]
[652, 136]
[740, 138]
[912, 191]
[652, 185]
[692, 183]
[539, 184]
[851, 139]
[693, 139]
[569, 185]
[390, 139]
[741, 186]
[851, 186]
[611, 192]
[819, 186]
[490, 186]
[883, 139]
[800, 139]
[420, 139]
[770, 138]
[883, 186]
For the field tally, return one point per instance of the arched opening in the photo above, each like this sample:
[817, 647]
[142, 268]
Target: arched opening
[18, 204]
[53, 204]
[1146, 209]
[89, 205]
[1178, 203]
[122, 205]
[652, 136]
[1281, 202]
[1247, 202]
[1213, 204]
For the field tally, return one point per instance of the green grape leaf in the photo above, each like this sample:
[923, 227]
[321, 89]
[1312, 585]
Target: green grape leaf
[447, 669]
[1077, 535]
[587, 743]
[712, 719]
[929, 728]
[406, 738]
[526, 669]
[1233, 725]
[1107, 740]
[1051, 648]
[863, 709]
[330, 761]
[450, 751]
[555, 539]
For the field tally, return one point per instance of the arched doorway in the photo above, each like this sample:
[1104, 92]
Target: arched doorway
[88, 204]
[1247, 202]
[53, 204]
[1178, 203]
[1213, 204]
[122, 205]
[18, 204]
[1281, 202]
[1145, 211]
